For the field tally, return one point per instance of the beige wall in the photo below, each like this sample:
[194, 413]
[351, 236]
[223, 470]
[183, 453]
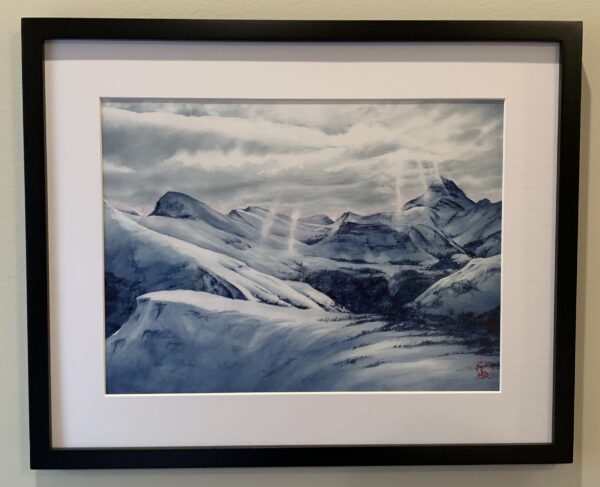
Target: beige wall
[585, 471]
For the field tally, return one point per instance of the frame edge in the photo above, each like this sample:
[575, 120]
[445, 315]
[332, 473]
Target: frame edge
[35, 31]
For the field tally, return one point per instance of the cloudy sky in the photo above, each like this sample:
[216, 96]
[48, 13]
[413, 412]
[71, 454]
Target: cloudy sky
[306, 157]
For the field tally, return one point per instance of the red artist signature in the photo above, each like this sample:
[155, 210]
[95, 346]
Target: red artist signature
[483, 370]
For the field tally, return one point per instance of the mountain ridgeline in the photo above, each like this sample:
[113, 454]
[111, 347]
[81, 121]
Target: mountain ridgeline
[409, 263]
[260, 301]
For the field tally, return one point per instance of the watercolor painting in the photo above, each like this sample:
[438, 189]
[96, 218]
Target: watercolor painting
[302, 245]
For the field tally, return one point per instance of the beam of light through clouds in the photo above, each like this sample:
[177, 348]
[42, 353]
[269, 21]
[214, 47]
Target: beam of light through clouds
[306, 157]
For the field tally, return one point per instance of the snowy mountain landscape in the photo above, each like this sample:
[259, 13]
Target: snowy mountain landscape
[255, 300]
[302, 245]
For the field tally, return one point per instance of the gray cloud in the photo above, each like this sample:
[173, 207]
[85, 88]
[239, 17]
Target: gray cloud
[466, 135]
[141, 144]
[374, 150]
[313, 157]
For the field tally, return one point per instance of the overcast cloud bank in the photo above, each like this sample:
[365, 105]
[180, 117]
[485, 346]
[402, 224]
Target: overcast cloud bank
[306, 157]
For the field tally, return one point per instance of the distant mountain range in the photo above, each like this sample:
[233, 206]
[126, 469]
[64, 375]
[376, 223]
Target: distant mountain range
[346, 259]
[436, 259]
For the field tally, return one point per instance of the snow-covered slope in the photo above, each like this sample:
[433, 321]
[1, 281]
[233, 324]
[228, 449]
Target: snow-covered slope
[185, 341]
[491, 245]
[476, 223]
[138, 260]
[268, 224]
[252, 253]
[473, 289]
[383, 218]
[432, 241]
[416, 215]
[358, 242]
[319, 219]
[380, 243]
[273, 243]
[256, 300]
[269, 255]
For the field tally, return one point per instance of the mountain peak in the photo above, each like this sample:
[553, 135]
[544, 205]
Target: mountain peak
[318, 219]
[445, 185]
[442, 193]
[256, 209]
[174, 204]
[179, 205]
[347, 216]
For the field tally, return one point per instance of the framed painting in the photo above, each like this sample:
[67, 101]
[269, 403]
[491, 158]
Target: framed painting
[268, 243]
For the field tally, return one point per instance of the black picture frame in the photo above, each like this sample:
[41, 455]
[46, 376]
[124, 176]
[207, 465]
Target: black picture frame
[37, 31]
